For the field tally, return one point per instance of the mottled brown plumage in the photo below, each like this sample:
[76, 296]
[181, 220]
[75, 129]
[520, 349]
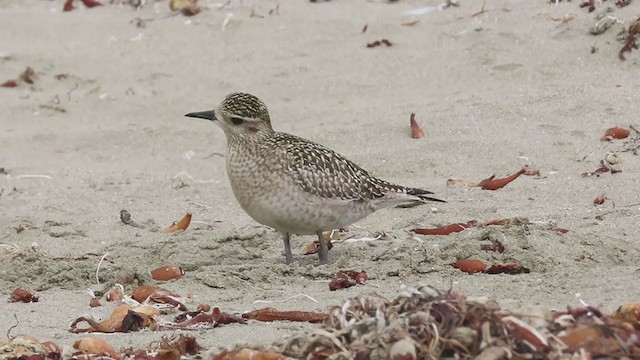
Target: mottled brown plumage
[295, 185]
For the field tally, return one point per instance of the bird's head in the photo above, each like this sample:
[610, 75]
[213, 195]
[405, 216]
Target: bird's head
[241, 116]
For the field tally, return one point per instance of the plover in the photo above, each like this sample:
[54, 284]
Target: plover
[292, 184]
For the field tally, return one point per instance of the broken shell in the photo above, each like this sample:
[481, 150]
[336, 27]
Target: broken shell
[404, 349]
[469, 266]
[599, 200]
[165, 273]
[464, 335]
[115, 294]
[612, 159]
[141, 293]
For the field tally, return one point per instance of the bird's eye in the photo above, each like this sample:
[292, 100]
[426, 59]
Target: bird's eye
[236, 120]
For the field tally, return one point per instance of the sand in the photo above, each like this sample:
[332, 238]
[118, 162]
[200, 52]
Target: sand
[493, 92]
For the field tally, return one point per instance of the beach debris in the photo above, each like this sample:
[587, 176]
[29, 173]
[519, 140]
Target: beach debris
[176, 348]
[615, 133]
[470, 266]
[28, 76]
[94, 302]
[447, 229]
[26, 347]
[91, 3]
[182, 225]
[124, 318]
[622, 3]
[560, 231]
[589, 4]
[416, 131]
[364, 28]
[203, 320]
[630, 42]
[142, 292]
[511, 268]
[269, 314]
[178, 5]
[202, 308]
[116, 293]
[612, 158]
[599, 200]
[251, 354]
[68, 4]
[628, 312]
[347, 278]
[491, 183]
[21, 294]
[438, 325]
[125, 217]
[9, 84]
[380, 42]
[165, 273]
[495, 246]
[603, 23]
[328, 237]
[603, 168]
[530, 171]
[166, 299]
[95, 346]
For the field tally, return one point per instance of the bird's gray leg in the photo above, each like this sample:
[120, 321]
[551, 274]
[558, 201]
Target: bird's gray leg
[324, 250]
[288, 256]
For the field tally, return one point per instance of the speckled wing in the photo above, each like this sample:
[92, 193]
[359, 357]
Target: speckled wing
[327, 174]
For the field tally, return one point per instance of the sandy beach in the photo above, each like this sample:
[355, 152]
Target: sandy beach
[102, 129]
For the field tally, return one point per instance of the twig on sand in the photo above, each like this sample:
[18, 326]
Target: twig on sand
[482, 10]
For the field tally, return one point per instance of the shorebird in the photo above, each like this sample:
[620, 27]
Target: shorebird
[294, 185]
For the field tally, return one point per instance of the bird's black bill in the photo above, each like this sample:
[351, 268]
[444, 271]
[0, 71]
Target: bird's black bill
[207, 115]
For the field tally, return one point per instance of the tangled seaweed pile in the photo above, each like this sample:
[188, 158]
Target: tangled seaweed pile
[423, 323]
